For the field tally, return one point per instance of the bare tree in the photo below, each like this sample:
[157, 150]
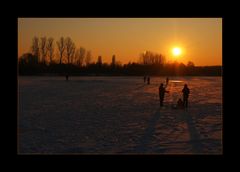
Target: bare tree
[149, 57]
[70, 48]
[88, 58]
[27, 58]
[113, 61]
[190, 64]
[145, 57]
[82, 54]
[73, 54]
[43, 49]
[99, 61]
[61, 48]
[35, 48]
[50, 48]
[77, 57]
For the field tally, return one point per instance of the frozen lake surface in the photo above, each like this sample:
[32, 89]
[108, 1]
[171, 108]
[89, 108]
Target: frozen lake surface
[111, 115]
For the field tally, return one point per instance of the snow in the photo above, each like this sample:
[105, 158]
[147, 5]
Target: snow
[118, 115]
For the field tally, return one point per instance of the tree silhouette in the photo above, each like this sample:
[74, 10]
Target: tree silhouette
[43, 49]
[73, 54]
[82, 54]
[70, 49]
[190, 64]
[35, 48]
[50, 49]
[88, 58]
[149, 63]
[113, 61]
[99, 61]
[28, 59]
[61, 48]
[149, 57]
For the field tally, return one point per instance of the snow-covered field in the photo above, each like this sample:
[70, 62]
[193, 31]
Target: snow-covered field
[105, 115]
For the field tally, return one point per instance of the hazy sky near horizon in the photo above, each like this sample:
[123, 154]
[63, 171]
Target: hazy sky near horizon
[199, 38]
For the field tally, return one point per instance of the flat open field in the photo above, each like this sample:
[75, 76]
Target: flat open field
[111, 115]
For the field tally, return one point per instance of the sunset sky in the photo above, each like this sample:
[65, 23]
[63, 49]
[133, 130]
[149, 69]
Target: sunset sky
[200, 39]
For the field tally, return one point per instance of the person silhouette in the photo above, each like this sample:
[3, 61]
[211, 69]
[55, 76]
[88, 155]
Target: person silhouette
[148, 80]
[162, 91]
[186, 93]
[167, 81]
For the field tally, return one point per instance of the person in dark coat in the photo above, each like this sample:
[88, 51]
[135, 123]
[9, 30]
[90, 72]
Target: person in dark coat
[186, 93]
[167, 81]
[148, 80]
[162, 92]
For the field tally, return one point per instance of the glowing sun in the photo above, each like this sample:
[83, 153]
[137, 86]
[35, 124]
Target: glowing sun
[176, 51]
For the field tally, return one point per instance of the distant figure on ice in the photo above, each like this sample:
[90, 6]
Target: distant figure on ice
[67, 77]
[144, 78]
[167, 81]
[180, 104]
[161, 94]
[148, 80]
[185, 92]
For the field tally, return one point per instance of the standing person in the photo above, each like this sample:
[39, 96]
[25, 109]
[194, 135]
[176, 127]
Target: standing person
[148, 80]
[185, 92]
[144, 78]
[167, 81]
[162, 91]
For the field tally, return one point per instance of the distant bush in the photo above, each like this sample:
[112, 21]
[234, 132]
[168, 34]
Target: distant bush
[126, 69]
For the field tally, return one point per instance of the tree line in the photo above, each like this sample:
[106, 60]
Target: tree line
[43, 51]
[63, 57]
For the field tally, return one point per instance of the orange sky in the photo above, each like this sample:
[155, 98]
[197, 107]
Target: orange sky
[199, 38]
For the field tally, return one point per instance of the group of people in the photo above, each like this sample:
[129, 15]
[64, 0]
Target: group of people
[146, 78]
[180, 103]
[162, 90]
